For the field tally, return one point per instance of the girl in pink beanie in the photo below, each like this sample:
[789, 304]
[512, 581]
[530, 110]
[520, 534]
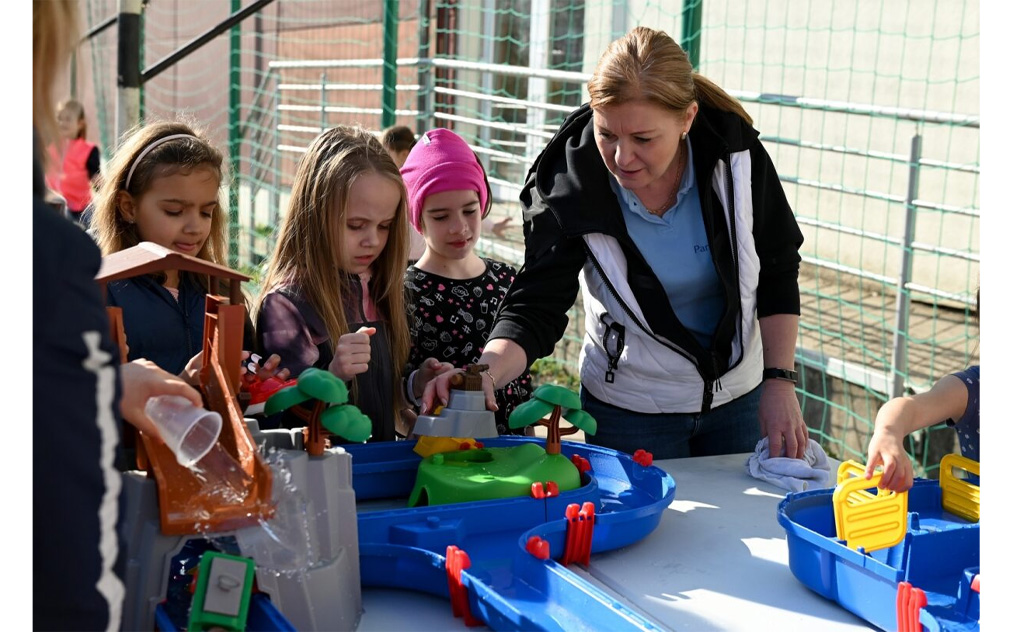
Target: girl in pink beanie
[453, 294]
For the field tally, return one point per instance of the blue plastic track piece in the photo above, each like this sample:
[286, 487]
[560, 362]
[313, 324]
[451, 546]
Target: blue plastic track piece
[508, 588]
[940, 555]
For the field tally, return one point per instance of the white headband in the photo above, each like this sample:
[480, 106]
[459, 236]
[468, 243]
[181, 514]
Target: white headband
[146, 151]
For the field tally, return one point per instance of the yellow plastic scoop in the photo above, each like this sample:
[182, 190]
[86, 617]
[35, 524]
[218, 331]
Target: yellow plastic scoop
[960, 497]
[864, 519]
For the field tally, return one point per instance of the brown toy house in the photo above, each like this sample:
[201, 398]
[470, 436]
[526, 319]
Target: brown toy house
[179, 499]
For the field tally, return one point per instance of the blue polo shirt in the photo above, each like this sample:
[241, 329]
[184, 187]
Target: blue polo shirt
[677, 250]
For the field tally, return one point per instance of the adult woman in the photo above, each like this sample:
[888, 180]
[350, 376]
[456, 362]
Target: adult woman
[660, 199]
[78, 392]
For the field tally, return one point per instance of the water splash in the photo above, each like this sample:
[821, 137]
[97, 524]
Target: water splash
[223, 480]
[281, 545]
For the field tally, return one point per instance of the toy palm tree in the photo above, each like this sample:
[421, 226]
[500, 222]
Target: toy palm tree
[559, 402]
[330, 410]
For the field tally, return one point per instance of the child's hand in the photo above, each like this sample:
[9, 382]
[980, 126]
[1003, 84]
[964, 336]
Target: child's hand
[499, 228]
[886, 449]
[269, 368]
[191, 372]
[142, 380]
[352, 354]
[429, 369]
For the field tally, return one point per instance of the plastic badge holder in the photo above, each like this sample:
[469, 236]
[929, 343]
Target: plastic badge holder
[190, 432]
[865, 520]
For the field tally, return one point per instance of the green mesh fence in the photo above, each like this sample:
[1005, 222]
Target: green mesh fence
[870, 111]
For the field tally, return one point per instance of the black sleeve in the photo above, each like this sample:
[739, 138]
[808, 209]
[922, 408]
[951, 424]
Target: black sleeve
[534, 312]
[778, 240]
[76, 428]
[93, 164]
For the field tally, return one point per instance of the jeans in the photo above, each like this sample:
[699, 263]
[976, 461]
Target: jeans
[728, 429]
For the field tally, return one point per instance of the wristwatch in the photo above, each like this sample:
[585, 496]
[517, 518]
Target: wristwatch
[780, 374]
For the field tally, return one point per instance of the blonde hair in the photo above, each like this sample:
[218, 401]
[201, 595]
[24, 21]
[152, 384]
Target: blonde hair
[646, 64]
[74, 106]
[54, 33]
[181, 155]
[311, 237]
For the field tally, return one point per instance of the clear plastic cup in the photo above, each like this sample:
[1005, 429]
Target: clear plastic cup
[189, 431]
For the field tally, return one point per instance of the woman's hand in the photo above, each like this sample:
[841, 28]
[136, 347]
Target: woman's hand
[352, 354]
[780, 419]
[142, 380]
[437, 391]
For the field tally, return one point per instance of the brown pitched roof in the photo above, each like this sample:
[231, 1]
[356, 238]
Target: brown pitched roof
[147, 257]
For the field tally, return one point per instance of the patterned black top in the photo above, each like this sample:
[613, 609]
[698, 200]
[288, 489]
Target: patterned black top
[450, 320]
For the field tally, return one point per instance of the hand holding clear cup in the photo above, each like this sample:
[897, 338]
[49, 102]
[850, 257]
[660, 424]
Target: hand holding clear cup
[188, 430]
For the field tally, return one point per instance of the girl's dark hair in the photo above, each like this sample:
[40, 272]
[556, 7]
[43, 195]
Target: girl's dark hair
[398, 138]
[181, 155]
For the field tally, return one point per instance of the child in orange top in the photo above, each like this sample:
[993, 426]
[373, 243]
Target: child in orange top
[74, 164]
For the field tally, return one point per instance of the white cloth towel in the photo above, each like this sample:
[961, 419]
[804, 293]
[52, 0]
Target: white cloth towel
[794, 475]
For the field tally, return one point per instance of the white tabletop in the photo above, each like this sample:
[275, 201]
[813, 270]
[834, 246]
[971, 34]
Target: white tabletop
[717, 561]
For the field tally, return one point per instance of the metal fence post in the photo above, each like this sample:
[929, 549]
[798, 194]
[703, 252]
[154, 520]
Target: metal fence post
[234, 140]
[391, 15]
[323, 103]
[424, 70]
[537, 87]
[275, 210]
[487, 56]
[901, 336]
[692, 24]
[128, 80]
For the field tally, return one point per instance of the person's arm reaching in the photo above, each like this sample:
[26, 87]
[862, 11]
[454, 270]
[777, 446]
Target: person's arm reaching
[779, 411]
[506, 360]
[899, 417]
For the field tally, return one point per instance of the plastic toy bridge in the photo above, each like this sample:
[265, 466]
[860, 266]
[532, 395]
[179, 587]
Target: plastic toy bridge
[503, 562]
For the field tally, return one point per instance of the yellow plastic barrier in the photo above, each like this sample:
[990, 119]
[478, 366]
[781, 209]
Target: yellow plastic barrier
[863, 519]
[960, 497]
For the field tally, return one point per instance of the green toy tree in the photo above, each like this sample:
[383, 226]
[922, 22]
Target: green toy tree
[557, 402]
[330, 410]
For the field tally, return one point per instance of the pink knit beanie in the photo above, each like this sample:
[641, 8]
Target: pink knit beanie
[441, 161]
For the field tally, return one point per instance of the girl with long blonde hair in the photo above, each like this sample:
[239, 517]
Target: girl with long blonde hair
[332, 296]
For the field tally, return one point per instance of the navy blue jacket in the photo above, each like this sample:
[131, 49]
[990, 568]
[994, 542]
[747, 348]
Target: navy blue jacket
[76, 575]
[159, 328]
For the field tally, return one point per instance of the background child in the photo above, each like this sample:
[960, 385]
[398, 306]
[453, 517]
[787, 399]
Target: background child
[74, 163]
[398, 141]
[454, 293]
[332, 296]
[163, 186]
[954, 399]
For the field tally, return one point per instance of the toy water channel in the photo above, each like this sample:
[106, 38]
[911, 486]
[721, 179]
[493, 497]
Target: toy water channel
[930, 578]
[505, 587]
[508, 587]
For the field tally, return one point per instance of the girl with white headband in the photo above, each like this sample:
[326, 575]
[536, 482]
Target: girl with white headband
[164, 186]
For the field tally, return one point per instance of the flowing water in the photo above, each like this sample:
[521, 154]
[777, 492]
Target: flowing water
[281, 545]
